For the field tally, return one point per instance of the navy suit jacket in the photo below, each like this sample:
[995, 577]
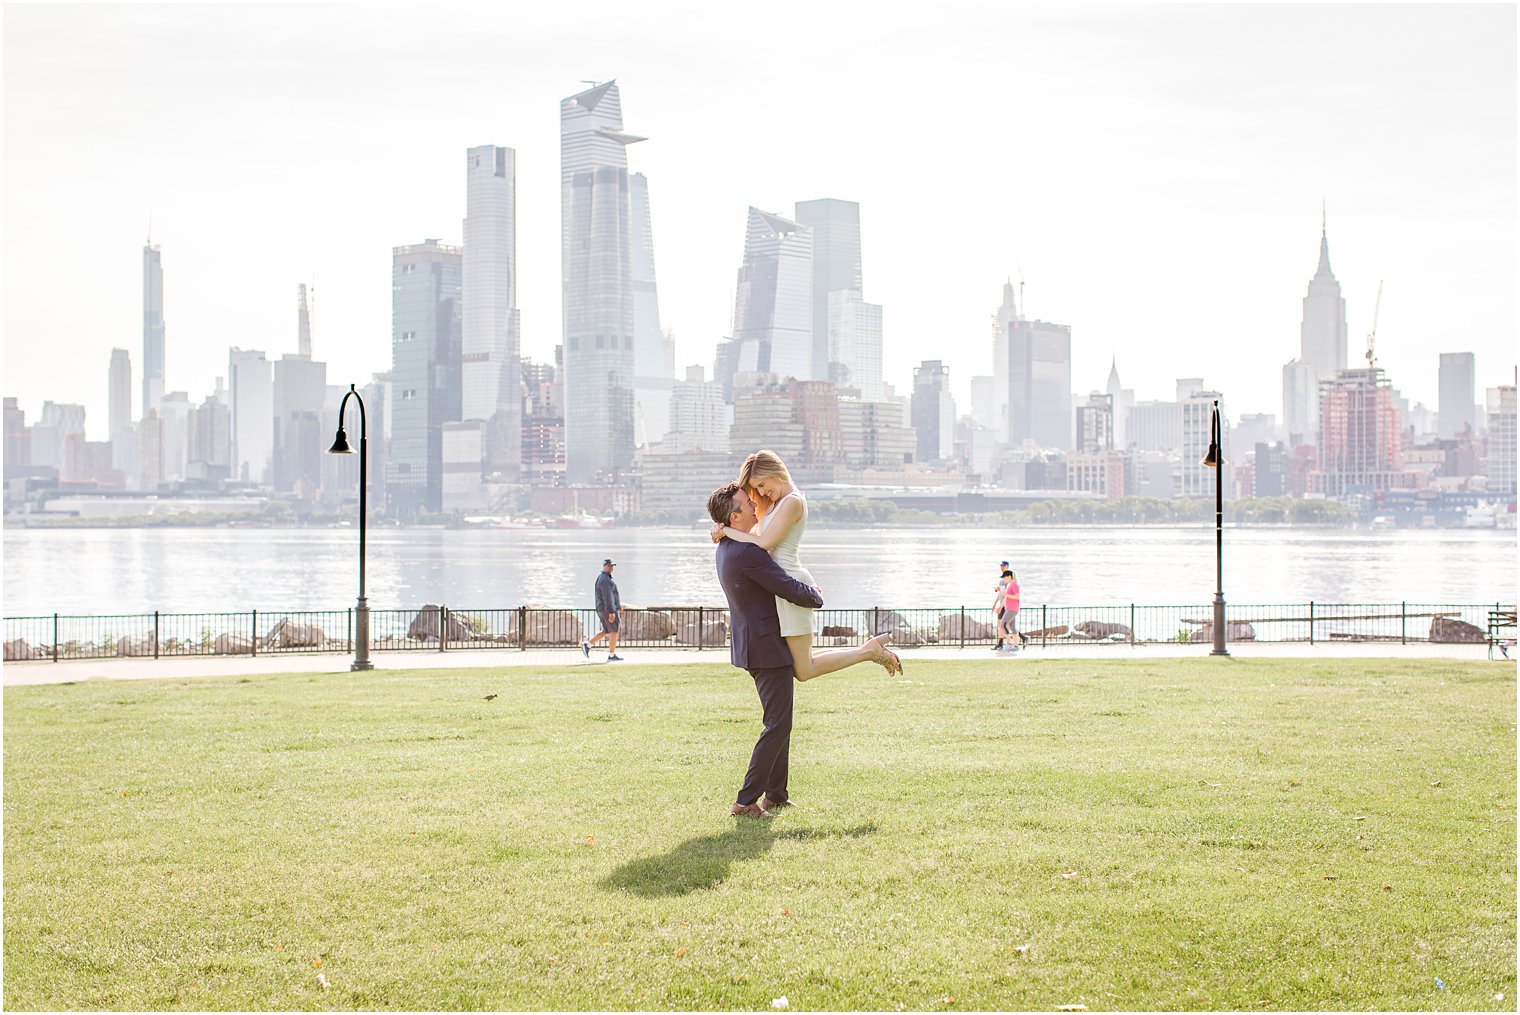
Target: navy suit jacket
[752, 580]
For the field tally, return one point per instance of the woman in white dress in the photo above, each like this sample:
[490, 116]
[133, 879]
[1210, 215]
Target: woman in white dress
[783, 519]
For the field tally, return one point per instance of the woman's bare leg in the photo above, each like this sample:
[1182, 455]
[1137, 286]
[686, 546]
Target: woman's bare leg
[808, 662]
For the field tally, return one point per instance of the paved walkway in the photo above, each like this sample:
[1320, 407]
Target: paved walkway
[18, 674]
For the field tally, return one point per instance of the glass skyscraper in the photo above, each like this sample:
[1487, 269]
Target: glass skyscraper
[773, 311]
[426, 288]
[600, 317]
[492, 358]
[835, 225]
[153, 327]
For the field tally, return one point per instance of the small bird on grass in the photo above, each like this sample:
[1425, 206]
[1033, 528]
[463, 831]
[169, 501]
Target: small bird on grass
[490, 697]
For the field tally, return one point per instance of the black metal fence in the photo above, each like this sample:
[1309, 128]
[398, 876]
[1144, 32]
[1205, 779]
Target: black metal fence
[58, 637]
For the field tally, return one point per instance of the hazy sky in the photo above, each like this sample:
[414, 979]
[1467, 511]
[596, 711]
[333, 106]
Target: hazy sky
[1155, 171]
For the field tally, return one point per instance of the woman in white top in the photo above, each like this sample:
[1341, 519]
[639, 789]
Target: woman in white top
[783, 519]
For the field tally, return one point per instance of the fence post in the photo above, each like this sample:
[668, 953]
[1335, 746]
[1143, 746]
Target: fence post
[963, 626]
[350, 628]
[443, 628]
[522, 629]
[155, 634]
[1044, 627]
[1403, 623]
[1311, 622]
[55, 637]
[1131, 625]
[701, 628]
[875, 620]
[254, 635]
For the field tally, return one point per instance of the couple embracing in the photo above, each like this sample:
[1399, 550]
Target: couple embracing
[758, 523]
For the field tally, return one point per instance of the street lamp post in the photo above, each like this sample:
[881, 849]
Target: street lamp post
[341, 447]
[1215, 461]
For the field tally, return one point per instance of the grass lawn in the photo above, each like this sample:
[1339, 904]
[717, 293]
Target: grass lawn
[984, 834]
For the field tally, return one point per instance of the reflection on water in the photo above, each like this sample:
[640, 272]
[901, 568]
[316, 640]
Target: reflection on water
[200, 570]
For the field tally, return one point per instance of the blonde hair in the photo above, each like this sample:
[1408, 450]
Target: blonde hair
[763, 464]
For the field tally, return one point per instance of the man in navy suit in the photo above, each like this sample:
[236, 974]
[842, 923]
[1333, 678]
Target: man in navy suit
[752, 580]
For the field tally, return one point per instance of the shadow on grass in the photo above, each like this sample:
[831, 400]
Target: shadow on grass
[704, 862]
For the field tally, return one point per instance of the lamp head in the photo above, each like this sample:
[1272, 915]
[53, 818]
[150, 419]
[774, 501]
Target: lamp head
[340, 444]
[1213, 458]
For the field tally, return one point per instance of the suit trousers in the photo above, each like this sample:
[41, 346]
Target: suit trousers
[768, 762]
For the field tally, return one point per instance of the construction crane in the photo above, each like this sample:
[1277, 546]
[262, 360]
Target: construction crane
[1372, 335]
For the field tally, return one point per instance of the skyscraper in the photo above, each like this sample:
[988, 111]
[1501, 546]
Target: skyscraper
[1360, 440]
[1002, 319]
[121, 433]
[773, 309]
[250, 394]
[854, 342]
[1322, 346]
[1038, 370]
[599, 305]
[653, 354]
[303, 321]
[153, 327]
[835, 226]
[426, 284]
[1458, 407]
[491, 362]
[1501, 439]
[933, 411]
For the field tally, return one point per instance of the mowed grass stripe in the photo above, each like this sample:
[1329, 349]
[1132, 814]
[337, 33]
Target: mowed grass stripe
[1309, 834]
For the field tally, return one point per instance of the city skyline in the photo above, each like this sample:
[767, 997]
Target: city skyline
[1199, 247]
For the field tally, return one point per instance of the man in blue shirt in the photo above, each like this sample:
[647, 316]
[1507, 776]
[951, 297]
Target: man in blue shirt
[607, 606]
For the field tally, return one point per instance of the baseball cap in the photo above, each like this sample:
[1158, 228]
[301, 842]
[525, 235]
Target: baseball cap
[1002, 563]
[609, 560]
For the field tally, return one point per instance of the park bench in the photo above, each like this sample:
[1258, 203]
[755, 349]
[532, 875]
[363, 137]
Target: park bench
[1499, 621]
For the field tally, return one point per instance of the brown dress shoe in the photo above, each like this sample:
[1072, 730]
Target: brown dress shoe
[749, 811]
[766, 803]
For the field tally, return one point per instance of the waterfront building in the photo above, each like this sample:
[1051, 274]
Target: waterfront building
[1038, 371]
[18, 441]
[676, 485]
[543, 451]
[153, 326]
[150, 451]
[699, 420]
[835, 226]
[875, 435]
[1095, 424]
[1154, 426]
[52, 430]
[250, 390]
[1253, 428]
[1360, 437]
[933, 412]
[490, 360]
[854, 343]
[174, 411]
[1501, 439]
[1300, 400]
[1197, 411]
[208, 452]
[121, 433]
[765, 417]
[1457, 409]
[299, 393]
[600, 317]
[1098, 472]
[1269, 470]
[426, 383]
[773, 309]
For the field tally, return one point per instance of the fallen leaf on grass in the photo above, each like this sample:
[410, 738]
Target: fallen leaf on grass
[1021, 949]
[322, 981]
[1329, 877]
[680, 952]
[1292, 782]
[1262, 1004]
[786, 912]
[1069, 874]
[1072, 1007]
[317, 964]
[1360, 817]
[1436, 783]
[1387, 888]
[947, 1000]
[590, 840]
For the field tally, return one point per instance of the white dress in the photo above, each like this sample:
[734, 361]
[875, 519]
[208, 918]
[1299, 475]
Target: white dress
[794, 619]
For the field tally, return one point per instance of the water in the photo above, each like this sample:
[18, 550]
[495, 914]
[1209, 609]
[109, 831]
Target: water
[94, 571]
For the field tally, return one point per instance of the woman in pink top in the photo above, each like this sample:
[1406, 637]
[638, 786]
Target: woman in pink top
[1008, 599]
